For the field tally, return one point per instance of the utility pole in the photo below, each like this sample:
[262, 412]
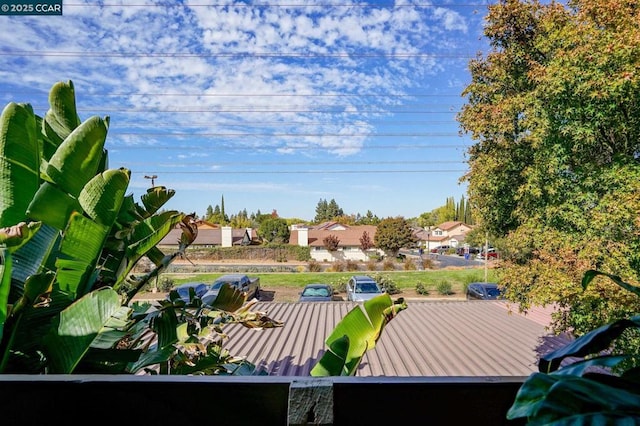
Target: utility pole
[486, 256]
[152, 177]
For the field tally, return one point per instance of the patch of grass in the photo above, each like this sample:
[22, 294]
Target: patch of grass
[457, 278]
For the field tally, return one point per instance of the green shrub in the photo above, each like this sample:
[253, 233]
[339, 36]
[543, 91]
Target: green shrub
[387, 283]
[340, 285]
[444, 287]
[165, 284]
[421, 289]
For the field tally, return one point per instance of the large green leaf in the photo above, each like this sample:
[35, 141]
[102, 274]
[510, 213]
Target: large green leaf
[147, 234]
[77, 327]
[19, 162]
[16, 236]
[52, 206]
[62, 117]
[591, 343]
[156, 197]
[102, 196]
[79, 156]
[356, 333]
[80, 249]
[5, 285]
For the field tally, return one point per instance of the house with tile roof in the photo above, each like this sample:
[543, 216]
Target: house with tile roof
[451, 233]
[349, 241]
[212, 235]
[349, 238]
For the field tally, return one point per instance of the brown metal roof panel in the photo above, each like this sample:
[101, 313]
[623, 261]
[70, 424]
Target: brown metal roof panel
[463, 338]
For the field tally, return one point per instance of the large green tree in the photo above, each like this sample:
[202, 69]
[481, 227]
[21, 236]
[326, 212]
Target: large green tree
[393, 234]
[327, 210]
[274, 230]
[554, 109]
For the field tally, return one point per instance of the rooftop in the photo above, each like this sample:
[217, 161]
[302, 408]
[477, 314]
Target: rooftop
[441, 338]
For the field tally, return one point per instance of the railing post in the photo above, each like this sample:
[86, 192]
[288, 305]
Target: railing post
[310, 402]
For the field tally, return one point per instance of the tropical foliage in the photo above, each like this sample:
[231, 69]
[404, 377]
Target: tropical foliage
[583, 383]
[554, 109]
[70, 237]
[69, 240]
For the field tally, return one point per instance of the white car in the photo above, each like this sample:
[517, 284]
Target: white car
[361, 288]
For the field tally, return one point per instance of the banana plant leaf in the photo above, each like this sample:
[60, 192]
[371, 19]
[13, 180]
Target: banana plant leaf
[52, 206]
[590, 343]
[156, 197]
[547, 399]
[356, 333]
[5, 286]
[78, 158]
[229, 299]
[32, 257]
[62, 118]
[11, 239]
[146, 236]
[19, 162]
[80, 248]
[78, 327]
[102, 196]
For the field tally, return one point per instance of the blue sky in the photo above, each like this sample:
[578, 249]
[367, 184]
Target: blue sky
[272, 105]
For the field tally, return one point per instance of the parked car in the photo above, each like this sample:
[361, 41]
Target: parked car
[492, 253]
[483, 291]
[316, 292]
[440, 249]
[199, 289]
[461, 251]
[361, 288]
[242, 282]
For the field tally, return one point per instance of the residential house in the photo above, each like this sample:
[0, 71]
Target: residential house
[451, 233]
[212, 235]
[349, 246]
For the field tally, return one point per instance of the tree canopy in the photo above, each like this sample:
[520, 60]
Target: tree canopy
[554, 111]
[393, 234]
[274, 230]
[327, 210]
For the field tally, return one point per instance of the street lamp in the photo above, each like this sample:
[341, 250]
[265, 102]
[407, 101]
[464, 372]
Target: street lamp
[152, 177]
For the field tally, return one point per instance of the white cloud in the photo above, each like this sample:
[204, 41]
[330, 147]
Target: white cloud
[305, 80]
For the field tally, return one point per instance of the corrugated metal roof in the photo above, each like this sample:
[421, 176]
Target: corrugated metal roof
[441, 338]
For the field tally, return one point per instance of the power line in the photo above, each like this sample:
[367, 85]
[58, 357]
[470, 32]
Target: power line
[280, 172]
[303, 163]
[257, 95]
[293, 111]
[290, 148]
[286, 135]
[377, 5]
[103, 54]
[279, 123]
